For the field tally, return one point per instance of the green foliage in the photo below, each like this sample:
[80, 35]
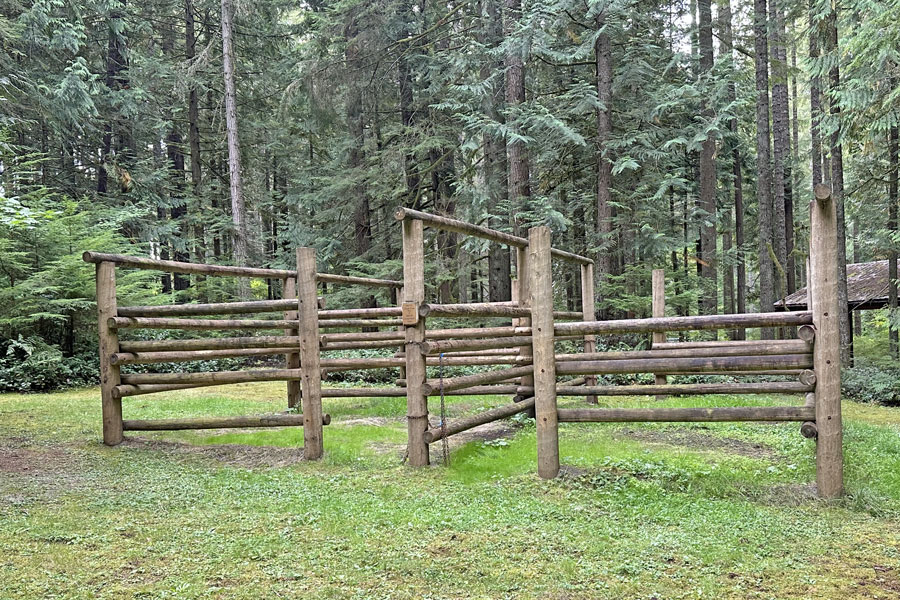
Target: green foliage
[30, 365]
[872, 384]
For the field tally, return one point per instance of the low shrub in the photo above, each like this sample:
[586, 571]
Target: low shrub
[872, 383]
[32, 365]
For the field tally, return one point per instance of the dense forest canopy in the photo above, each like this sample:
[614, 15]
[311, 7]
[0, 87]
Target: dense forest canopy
[655, 134]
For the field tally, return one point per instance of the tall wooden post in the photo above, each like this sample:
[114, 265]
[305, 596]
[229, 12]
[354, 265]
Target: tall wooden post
[823, 258]
[540, 275]
[658, 308]
[588, 309]
[523, 287]
[292, 360]
[413, 296]
[311, 376]
[109, 344]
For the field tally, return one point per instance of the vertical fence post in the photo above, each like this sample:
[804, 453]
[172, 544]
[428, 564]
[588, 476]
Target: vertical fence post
[823, 277]
[292, 360]
[109, 344]
[588, 314]
[311, 376]
[414, 294]
[540, 275]
[523, 291]
[658, 309]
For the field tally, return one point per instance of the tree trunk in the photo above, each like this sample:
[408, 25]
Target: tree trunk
[815, 103]
[116, 80]
[238, 210]
[175, 155]
[837, 187]
[780, 147]
[764, 179]
[362, 226]
[893, 202]
[190, 51]
[727, 45]
[519, 179]
[494, 167]
[708, 266]
[604, 220]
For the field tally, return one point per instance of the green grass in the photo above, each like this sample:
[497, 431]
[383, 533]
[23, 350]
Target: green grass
[640, 511]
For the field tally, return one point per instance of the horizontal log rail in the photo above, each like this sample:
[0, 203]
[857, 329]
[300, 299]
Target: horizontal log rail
[217, 308]
[433, 387]
[685, 365]
[488, 416]
[350, 323]
[487, 309]
[456, 226]
[122, 391]
[203, 324]
[288, 420]
[148, 358]
[760, 349]
[359, 313]
[688, 415]
[699, 323]
[189, 268]
[262, 341]
[696, 389]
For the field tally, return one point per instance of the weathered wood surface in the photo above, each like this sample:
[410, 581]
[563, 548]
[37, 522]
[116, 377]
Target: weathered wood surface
[310, 369]
[278, 420]
[147, 358]
[292, 359]
[350, 323]
[686, 365]
[173, 266]
[690, 415]
[201, 324]
[416, 396]
[540, 274]
[700, 323]
[695, 389]
[359, 313]
[121, 390]
[658, 310]
[762, 349]
[216, 308]
[214, 377]
[111, 405]
[588, 308]
[448, 224]
[523, 280]
[434, 347]
[263, 341]
[433, 386]
[488, 416]
[824, 275]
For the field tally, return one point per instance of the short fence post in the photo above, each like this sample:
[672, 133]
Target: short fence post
[658, 308]
[308, 312]
[823, 277]
[523, 291]
[414, 294]
[588, 314]
[292, 360]
[540, 275]
[109, 344]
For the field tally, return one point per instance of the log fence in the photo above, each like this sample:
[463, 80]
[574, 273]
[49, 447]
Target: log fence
[527, 366]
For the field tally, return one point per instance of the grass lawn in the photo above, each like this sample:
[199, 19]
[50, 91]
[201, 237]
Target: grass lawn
[640, 511]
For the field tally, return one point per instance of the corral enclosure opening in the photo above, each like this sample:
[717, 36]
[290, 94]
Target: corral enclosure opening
[530, 369]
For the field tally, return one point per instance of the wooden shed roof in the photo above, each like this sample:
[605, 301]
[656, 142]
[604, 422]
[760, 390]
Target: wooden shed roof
[867, 287]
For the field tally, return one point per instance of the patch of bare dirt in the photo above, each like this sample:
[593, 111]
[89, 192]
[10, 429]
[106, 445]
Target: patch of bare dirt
[488, 432]
[696, 440]
[29, 474]
[237, 455]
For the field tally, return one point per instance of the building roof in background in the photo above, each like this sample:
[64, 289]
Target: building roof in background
[867, 287]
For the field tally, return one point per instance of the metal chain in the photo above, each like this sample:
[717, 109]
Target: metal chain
[445, 445]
